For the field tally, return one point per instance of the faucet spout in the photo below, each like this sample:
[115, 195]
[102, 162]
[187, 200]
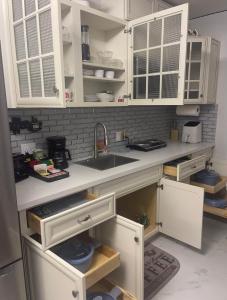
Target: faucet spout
[105, 140]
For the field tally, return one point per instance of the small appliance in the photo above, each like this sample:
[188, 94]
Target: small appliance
[192, 132]
[20, 169]
[58, 152]
[147, 145]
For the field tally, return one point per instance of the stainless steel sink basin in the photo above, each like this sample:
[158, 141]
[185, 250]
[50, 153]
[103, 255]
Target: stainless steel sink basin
[106, 162]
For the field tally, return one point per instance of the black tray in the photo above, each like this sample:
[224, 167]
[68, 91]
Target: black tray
[49, 178]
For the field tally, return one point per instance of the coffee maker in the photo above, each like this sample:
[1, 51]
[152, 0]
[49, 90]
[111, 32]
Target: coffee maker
[58, 152]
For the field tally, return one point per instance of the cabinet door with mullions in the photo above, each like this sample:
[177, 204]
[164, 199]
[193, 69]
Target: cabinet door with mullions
[36, 52]
[157, 57]
[194, 70]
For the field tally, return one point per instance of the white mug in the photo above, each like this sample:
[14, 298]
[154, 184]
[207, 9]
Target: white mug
[68, 95]
[109, 74]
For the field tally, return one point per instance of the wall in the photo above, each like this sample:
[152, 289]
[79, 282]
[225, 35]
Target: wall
[77, 125]
[215, 25]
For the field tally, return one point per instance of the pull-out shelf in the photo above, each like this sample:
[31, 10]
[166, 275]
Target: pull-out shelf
[45, 266]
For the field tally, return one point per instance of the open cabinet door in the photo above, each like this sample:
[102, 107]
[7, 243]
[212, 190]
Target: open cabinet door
[35, 37]
[157, 54]
[127, 237]
[180, 211]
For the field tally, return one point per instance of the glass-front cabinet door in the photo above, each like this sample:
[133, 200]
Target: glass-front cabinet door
[35, 39]
[157, 57]
[194, 70]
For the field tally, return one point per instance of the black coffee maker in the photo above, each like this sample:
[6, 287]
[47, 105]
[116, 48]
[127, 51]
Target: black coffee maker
[58, 152]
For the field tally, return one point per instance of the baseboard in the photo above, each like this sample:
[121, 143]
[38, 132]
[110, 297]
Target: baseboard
[220, 166]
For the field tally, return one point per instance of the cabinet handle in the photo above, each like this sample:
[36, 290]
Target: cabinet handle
[75, 294]
[84, 220]
[194, 167]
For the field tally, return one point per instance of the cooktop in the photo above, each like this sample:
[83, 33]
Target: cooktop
[147, 145]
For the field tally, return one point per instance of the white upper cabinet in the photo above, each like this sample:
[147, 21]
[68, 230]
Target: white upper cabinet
[147, 55]
[157, 57]
[201, 75]
[36, 51]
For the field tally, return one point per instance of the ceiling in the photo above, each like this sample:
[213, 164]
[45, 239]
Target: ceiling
[200, 8]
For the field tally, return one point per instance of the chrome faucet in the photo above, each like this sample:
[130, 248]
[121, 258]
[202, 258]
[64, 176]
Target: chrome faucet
[95, 138]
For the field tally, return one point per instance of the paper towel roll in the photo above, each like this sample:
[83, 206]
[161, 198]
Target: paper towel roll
[188, 110]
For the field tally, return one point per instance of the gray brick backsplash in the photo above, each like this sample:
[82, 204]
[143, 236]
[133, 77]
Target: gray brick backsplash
[208, 117]
[77, 125]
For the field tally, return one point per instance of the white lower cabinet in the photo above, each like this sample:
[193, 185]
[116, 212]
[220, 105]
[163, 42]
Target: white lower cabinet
[173, 208]
[180, 211]
[167, 206]
[49, 279]
[127, 237]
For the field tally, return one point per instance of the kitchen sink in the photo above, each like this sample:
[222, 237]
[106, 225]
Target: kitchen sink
[106, 162]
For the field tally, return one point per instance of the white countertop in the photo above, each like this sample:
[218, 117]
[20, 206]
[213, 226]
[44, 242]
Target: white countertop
[32, 191]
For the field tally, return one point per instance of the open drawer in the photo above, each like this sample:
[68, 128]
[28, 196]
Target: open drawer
[51, 277]
[61, 219]
[184, 167]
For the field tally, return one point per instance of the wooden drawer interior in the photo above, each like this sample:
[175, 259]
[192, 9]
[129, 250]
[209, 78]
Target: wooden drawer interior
[39, 213]
[138, 204]
[170, 168]
[106, 286]
[105, 260]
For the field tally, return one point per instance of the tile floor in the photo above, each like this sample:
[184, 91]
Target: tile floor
[203, 275]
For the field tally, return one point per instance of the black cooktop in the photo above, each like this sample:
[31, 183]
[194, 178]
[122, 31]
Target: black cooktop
[147, 145]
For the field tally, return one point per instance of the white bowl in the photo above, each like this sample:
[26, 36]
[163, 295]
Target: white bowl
[83, 2]
[104, 97]
[99, 73]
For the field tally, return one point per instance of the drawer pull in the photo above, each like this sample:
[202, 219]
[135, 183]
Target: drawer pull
[194, 167]
[84, 220]
[75, 294]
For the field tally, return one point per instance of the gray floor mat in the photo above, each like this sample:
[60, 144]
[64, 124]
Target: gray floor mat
[159, 268]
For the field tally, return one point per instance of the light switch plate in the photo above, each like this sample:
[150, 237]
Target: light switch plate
[28, 148]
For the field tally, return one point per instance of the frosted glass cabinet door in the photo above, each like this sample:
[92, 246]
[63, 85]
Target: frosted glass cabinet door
[157, 57]
[35, 39]
[194, 74]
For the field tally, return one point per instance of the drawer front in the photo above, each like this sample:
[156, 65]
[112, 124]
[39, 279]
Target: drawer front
[74, 221]
[127, 184]
[208, 153]
[190, 167]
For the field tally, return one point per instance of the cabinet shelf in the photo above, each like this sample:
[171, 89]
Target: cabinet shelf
[101, 66]
[220, 212]
[103, 79]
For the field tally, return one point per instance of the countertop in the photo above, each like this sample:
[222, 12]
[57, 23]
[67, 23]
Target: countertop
[32, 191]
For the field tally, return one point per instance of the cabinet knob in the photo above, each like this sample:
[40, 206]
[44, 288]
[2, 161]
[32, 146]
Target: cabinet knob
[136, 239]
[75, 294]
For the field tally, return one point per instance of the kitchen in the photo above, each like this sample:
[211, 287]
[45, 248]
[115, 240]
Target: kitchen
[139, 201]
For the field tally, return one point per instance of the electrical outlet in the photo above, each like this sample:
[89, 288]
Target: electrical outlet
[28, 148]
[119, 136]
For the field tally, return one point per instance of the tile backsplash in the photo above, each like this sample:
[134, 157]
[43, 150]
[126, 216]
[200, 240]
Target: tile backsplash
[77, 124]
